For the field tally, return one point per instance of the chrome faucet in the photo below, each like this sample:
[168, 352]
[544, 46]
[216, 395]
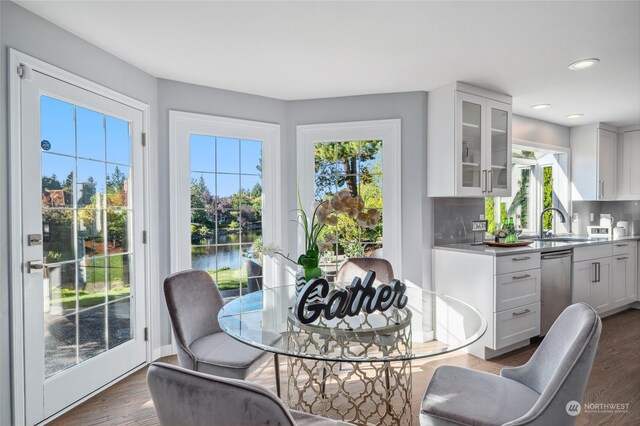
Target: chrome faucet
[562, 219]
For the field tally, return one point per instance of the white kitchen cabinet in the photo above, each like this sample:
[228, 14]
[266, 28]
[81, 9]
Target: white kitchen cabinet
[468, 142]
[591, 283]
[505, 289]
[623, 274]
[629, 166]
[594, 162]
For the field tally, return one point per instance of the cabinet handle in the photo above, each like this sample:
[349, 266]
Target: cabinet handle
[601, 182]
[490, 181]
[518, 259]
[483, 180]
[597, 272]
[526, 311]
[622, 258]
[622, 245]
[522, 277]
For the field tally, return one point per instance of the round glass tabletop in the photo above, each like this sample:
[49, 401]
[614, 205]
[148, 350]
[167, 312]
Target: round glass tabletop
[430, 324]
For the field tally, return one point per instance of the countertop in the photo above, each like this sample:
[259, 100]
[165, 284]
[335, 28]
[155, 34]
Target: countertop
[537, 246]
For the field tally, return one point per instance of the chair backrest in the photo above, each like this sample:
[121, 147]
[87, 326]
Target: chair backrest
[560, 367]
[377, 253]
[359, 266]
[254, 274]
[185, 397]
[193, 300]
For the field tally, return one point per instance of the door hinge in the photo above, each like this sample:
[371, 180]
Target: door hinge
[146, 334]
[24, 72]
[144, 237]
[144, 139]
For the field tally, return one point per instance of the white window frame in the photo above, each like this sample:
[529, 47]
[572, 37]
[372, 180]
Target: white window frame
[561, 187]
[389, 131]
[181, 126]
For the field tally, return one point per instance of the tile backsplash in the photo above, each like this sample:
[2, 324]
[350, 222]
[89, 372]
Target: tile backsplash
[452, 217]
[620, 210]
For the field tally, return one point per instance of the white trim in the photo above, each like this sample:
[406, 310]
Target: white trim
[17, 58]
[390, 133]
[162, 351]
[181, 126]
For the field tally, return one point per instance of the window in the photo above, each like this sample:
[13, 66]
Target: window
[539, 180]
[364, 158]
[355, 166]
[226, 208]
[224, 198]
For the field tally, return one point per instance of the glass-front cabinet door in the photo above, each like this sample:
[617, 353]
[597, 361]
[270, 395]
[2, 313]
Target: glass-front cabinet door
[470, 148]
[498, 158]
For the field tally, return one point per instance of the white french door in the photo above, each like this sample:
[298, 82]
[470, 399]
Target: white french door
[83, 259]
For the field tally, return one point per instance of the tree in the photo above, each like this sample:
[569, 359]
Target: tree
[521, 199]
[547, 196]
[339, 161]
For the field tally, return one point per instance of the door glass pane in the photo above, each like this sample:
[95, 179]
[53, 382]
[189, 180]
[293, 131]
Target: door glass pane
[226, 209]
[354, 166]
[86, 224]
[499, 146]
[471, 144]
[60, 317]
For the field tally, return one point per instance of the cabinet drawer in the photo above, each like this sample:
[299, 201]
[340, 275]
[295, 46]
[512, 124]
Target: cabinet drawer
[518, 262]
[516, 325]
[591, 252]
[517, 289]
[622, 247]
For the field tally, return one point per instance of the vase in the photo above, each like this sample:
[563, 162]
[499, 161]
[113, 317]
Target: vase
[315, 296]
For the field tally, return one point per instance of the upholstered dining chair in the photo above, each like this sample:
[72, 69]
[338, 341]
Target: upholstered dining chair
[193, 300]
[540, 392]
[184, 397]
[359, 266]
[254, 274]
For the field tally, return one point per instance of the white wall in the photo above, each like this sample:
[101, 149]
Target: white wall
[532, 130]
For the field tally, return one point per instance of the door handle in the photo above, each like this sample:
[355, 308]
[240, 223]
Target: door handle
[34, 265]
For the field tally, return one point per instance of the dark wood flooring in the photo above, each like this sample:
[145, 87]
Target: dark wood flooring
[615, 378]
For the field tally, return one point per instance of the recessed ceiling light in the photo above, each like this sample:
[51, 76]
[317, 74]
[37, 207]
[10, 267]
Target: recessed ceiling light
[541, 106]
[574, 115]
[583, 64]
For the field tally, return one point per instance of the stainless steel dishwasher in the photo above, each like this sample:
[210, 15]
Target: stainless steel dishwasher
[555, 286]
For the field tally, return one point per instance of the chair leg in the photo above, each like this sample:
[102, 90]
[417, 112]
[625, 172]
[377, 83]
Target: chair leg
[277, 365]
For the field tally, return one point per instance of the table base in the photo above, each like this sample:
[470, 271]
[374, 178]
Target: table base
[357, 392]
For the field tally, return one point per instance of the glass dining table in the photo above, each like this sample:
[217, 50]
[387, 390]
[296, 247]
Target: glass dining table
[358, 368]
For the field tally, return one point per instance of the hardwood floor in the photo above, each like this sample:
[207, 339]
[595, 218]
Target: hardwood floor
[615, 378]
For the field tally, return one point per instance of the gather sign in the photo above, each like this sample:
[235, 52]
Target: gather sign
[360, 295]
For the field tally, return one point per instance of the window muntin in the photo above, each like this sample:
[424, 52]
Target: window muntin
[226, 208]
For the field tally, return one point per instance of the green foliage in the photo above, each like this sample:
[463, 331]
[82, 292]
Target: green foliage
[521, 199]
[547, 196]
[503, 212]
[490, 213]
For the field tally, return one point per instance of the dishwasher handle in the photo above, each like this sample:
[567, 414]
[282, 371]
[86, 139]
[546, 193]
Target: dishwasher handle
[557, 254]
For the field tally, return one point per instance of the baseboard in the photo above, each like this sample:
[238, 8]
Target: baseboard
[163, 351]
[635, 305]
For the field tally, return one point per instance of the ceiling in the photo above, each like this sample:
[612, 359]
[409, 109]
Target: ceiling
[303, 50]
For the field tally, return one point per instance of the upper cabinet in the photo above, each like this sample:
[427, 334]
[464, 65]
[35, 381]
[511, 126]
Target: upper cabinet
[629, 165]
[593, 162]
[468, 142]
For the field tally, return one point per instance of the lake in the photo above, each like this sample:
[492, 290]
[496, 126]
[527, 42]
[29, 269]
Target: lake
[216, 257]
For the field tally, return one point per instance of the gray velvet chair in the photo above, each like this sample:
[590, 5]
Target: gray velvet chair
[359, 266]
[193, 300]
[184, 397]
[536, 393]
